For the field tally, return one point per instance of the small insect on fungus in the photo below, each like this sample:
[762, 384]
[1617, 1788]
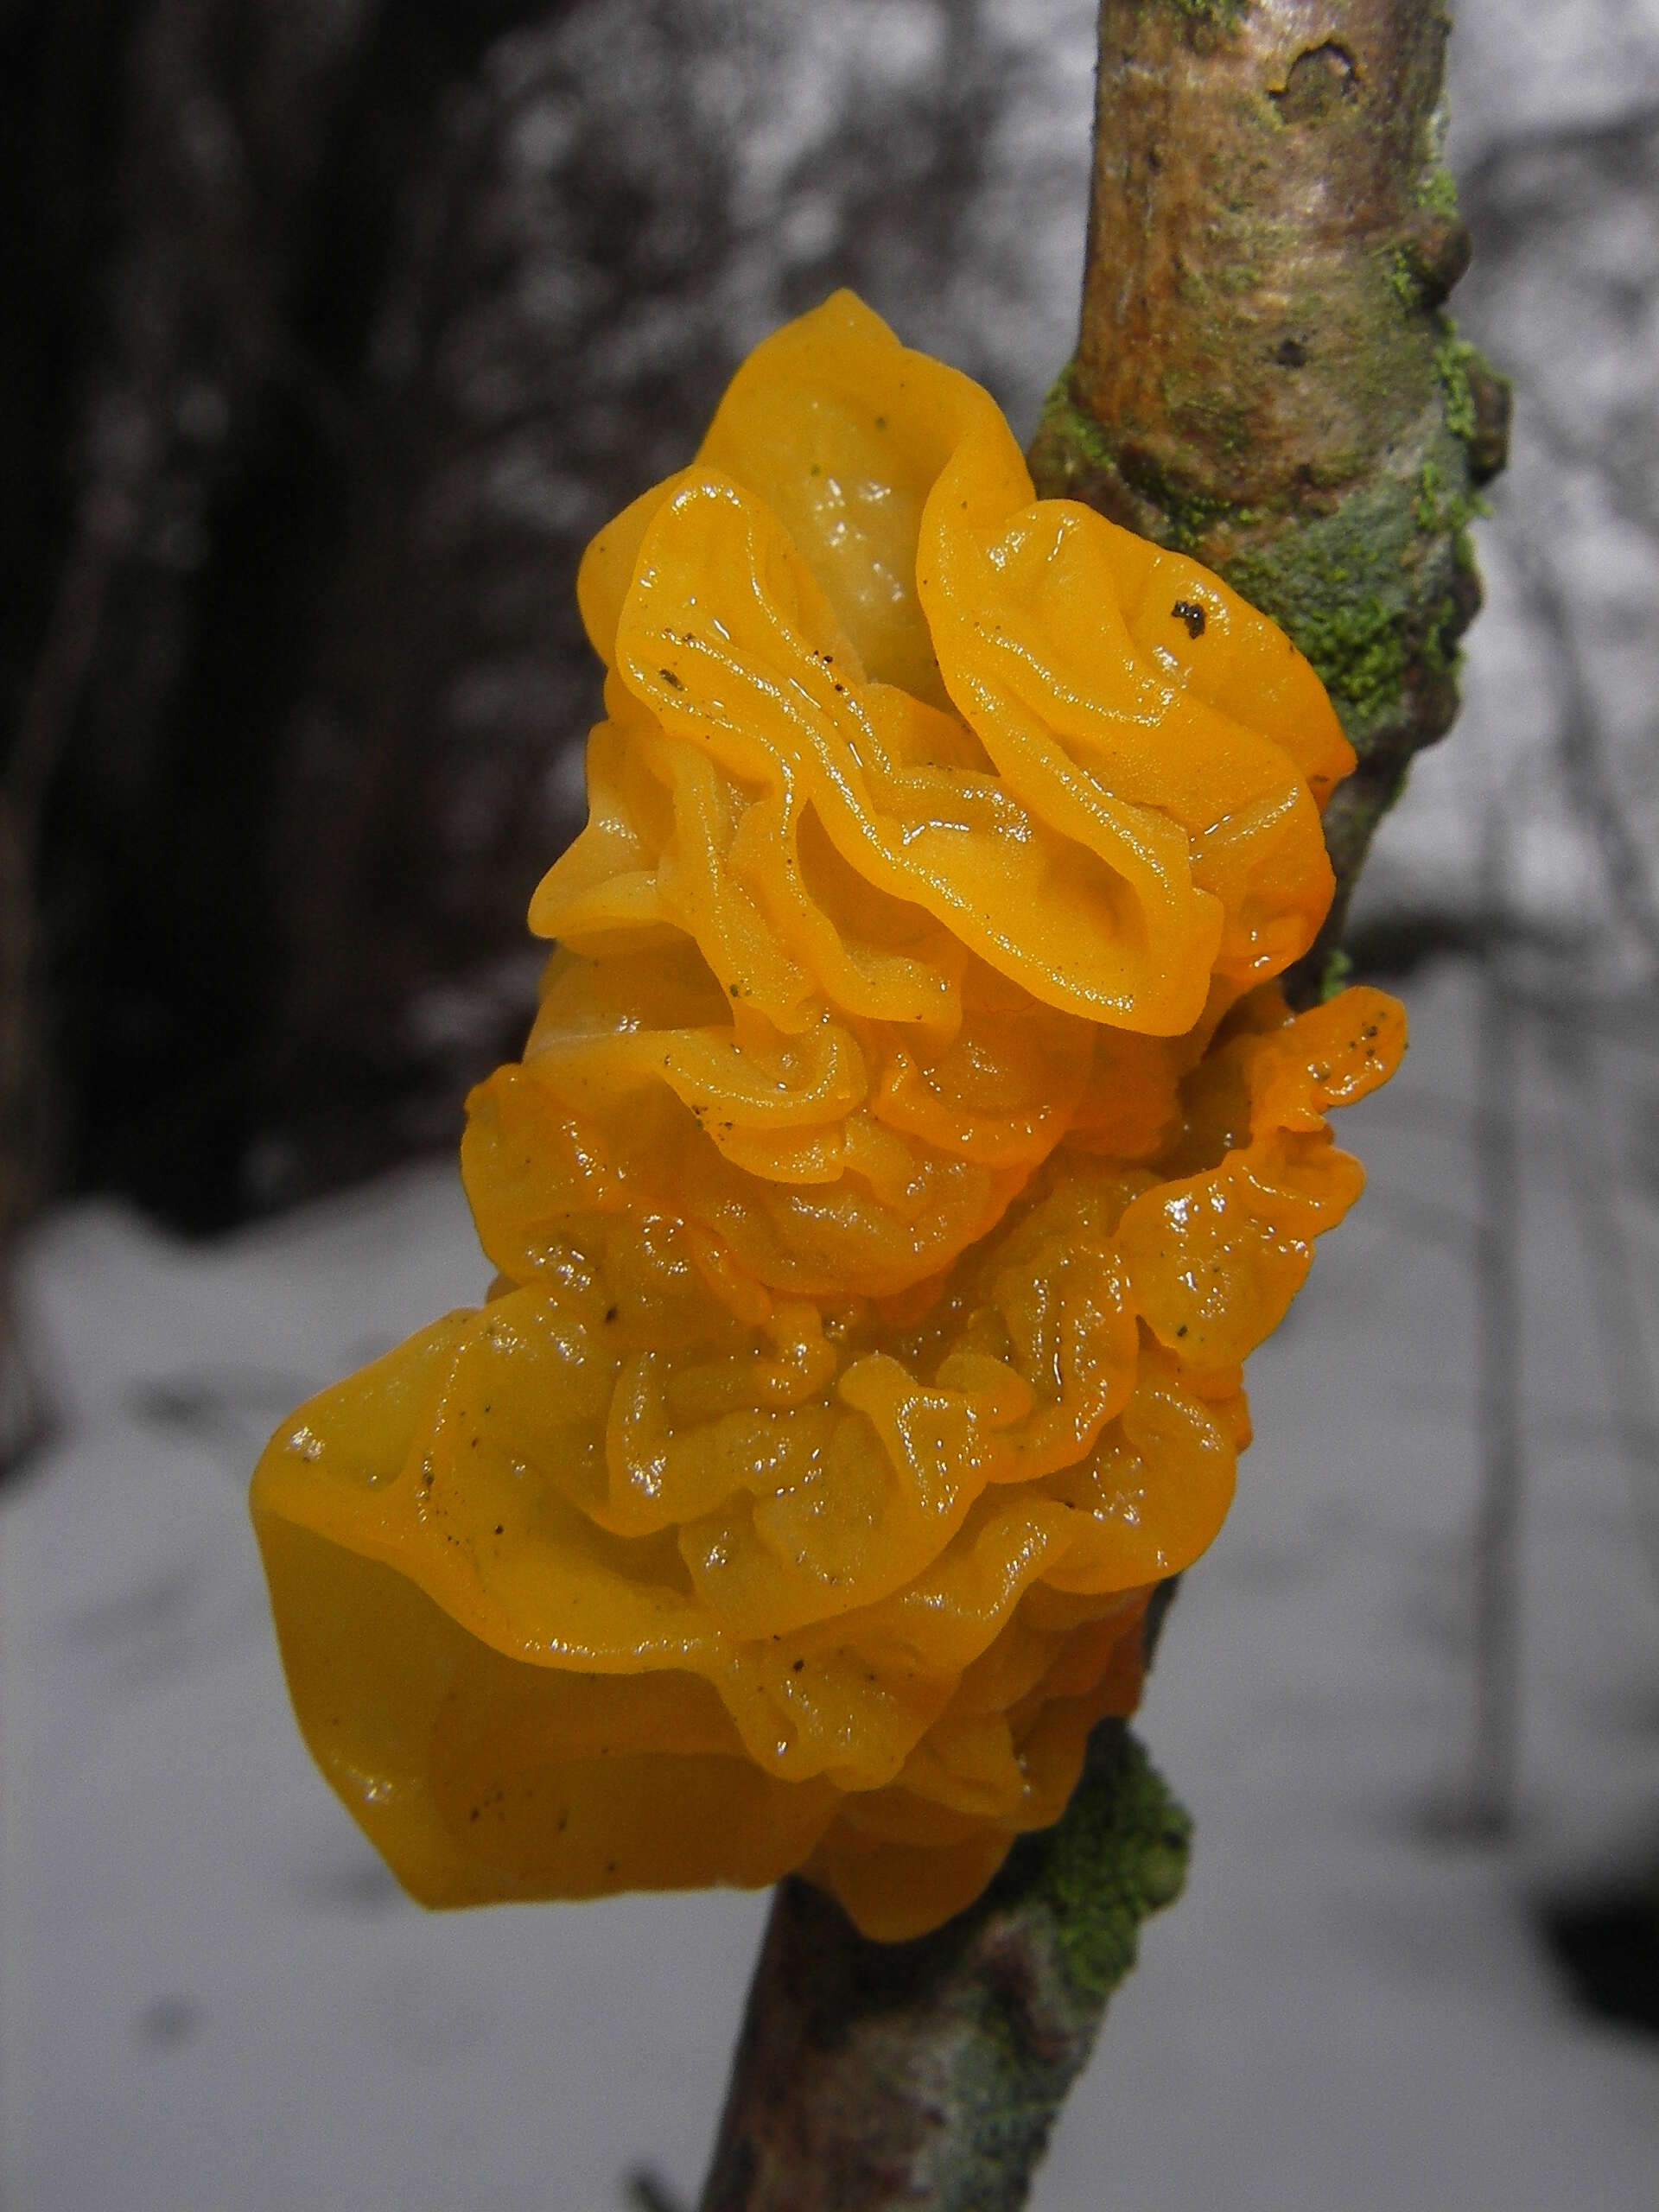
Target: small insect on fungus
[1189, 612]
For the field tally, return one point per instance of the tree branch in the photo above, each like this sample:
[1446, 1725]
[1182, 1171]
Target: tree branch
[1264, 378]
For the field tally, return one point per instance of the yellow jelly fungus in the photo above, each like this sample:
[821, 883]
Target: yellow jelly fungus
[910, 1145]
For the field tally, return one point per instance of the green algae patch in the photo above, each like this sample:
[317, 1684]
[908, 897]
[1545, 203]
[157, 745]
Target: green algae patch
[1122, 1857]
[1343, 585]
[1454, 359]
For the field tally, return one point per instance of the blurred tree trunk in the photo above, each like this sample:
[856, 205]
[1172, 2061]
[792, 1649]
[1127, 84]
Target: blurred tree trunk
[203, 195]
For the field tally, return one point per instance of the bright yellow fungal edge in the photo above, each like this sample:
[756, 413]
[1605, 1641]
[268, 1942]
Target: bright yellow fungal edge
[911, 1144]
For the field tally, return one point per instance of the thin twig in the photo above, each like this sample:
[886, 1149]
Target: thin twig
[1580, 742]
[1493, 1760]
[646, 2190]
[1615, 1295]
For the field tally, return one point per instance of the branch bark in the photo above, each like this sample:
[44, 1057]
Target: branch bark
[1266, 379]
[929, 2073]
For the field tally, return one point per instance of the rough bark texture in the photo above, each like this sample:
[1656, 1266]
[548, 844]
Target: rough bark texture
[1265, 378]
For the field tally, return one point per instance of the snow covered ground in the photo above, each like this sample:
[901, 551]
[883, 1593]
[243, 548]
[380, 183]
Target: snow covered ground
[215, 2001]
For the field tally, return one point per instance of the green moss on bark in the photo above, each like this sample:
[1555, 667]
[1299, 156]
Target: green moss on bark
[1453, 358]
[1371, 589]
[1121, 1858]
[1437, 191]
[1055, 1933]
[1337, 973]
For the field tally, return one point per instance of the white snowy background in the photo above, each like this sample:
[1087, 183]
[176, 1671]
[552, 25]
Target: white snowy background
[212, 1998]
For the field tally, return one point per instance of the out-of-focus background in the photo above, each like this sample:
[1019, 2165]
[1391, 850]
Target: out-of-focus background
[333, 329]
